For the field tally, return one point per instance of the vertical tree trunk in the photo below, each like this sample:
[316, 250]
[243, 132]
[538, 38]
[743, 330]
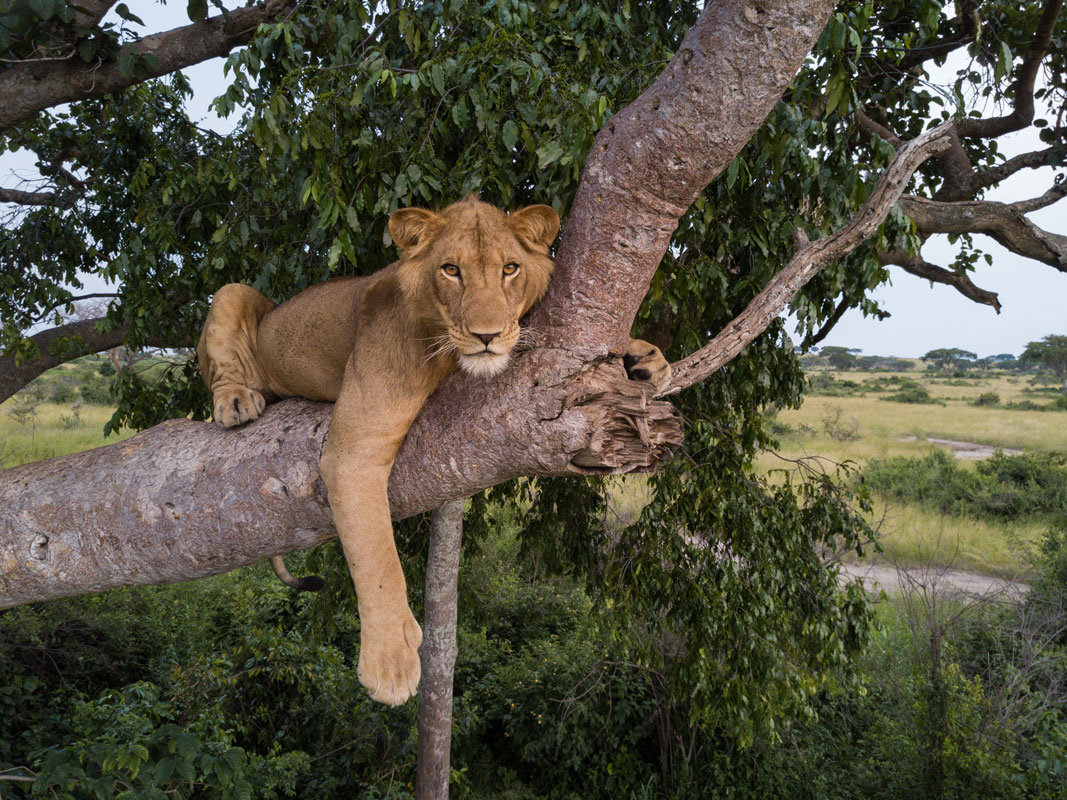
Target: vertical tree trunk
[438, 653]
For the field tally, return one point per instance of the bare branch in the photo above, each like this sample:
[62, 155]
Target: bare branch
[1023, 112]
[916, 265]
[1033, 160]
[1053, 195]
[28, 88]
[34, 198]
[809, 260]
[1005, 223]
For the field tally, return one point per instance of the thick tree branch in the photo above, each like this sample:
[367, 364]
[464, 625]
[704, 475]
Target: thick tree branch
[28, 88]
[1023, 111]
[654, 157]
[916, 265]
[1005, 223]
[810, 258]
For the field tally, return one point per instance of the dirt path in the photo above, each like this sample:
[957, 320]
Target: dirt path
[965, 449]
[878, 577]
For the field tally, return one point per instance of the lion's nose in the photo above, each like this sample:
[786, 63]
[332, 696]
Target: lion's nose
[487, 337]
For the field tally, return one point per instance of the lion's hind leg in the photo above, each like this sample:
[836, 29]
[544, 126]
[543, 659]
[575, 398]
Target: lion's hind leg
[227, 354]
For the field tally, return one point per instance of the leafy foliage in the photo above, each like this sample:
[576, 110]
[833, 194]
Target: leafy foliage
[1002, 486]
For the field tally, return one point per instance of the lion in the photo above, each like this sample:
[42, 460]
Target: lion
[377, 347]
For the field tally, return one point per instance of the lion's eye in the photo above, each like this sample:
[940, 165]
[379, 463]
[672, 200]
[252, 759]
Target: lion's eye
[510, 269]
[451, 270]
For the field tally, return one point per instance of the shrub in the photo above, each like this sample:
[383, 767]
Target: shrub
[912, 394]
[987, 399]
[838, 425]
[1003, 486]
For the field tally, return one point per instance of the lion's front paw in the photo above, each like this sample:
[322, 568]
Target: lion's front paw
[645, 362]
[389, 659]
[237, 406]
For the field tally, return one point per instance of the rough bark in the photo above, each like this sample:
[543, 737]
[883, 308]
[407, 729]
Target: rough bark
[438, 653]
[32, 86]
[187, 499]
[1004, 222]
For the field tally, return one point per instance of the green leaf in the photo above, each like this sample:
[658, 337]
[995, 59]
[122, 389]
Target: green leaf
[197, 10]
[123, 11]
[548, 153]
[510, 134]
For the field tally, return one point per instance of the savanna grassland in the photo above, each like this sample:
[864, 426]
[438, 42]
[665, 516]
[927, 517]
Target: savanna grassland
[879, 420]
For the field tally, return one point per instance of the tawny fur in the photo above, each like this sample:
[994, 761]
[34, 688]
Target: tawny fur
[378, 346]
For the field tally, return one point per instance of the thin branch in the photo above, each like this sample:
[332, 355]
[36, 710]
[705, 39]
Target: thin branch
[1053, 195]
[809, 260]
[1023, 112]
[828, 326]
[916, 265]
[1032, 160]
[26, 89]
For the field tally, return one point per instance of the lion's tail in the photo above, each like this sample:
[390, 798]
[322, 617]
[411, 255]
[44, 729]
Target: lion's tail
[311, 583]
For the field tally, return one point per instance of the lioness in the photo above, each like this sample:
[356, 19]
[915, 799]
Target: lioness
[378, 346]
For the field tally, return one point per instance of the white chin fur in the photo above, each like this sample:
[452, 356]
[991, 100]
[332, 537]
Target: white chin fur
[484, 365]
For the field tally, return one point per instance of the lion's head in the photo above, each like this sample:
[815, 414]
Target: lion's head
[473, 271]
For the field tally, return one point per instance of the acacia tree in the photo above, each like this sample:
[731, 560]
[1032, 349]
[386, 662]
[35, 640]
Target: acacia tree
[1051, 352]
[683, 199]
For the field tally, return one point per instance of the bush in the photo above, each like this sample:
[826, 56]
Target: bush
[987, 399]
[913, 394]
[1002, 486]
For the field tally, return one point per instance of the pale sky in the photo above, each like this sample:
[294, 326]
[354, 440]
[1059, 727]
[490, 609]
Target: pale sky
[923, 317]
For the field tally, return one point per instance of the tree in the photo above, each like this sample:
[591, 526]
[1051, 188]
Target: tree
[843, 358]
[683, 196]
[1051, 352]
[950, 359]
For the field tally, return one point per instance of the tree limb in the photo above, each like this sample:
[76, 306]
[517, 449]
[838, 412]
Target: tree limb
[63, 343]
[27, 88]
[1005, 223]
[1023, 111]
[810, 258]
[1032, 160]
[916, 265]
[34, 198]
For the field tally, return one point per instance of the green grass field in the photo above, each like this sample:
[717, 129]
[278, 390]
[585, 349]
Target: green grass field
[48, 434]
[883, 428]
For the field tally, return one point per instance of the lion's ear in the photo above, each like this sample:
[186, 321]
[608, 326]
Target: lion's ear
[538, 225]
[410, 227]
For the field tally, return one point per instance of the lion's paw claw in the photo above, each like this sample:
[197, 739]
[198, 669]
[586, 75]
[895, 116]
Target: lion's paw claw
[389, 661]
[237, 406]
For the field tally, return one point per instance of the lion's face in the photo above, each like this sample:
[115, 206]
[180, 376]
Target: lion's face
[473, 272]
